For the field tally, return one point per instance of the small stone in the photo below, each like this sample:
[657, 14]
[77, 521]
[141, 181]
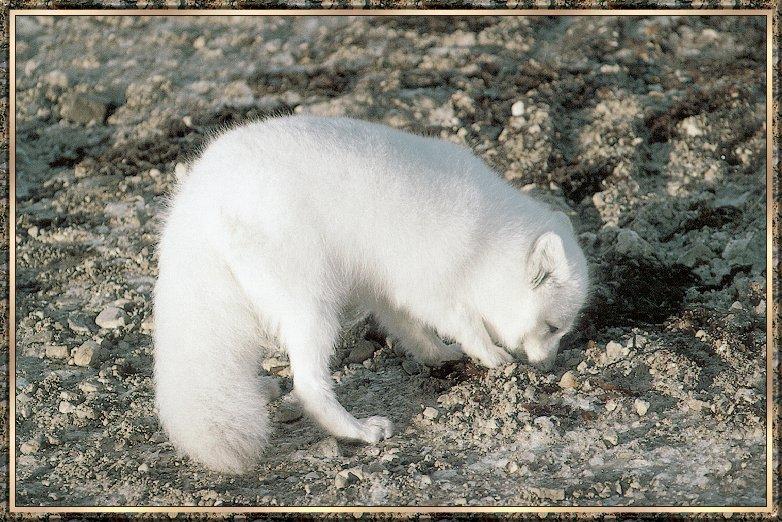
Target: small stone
[614, 350]
[273, 364]
[148, 324]
[328, 448]
[549, 493]
[65, 407]
[691, 127]
[84, 412]
[411, 367]
[568, 380]
[641, 407]
[362, 351]
[81, 108]
[33, 231]
[88, 387]
[57, 352]
[143, 468]
[78, 325]
[56, 78]
[111, 317]
[290, 410]
[582, 366]
[512, 466]
[611, 437]
[736, 306]
[430, 413]
[31, 446]
[611, 405]
[345, 478]
[760, 309]
[88, 354]
[517, 109]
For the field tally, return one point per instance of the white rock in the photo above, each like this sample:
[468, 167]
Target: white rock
[87, 354]
[65, 407]
[614, 350]
[57, 352]
[111, 317]
[568, 380]
[31, 446]
[517, 109]
[641, 407]
[611, 437]
[430, 413]
[143, 468]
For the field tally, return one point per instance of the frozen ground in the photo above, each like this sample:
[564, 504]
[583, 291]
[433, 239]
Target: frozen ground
[649, 131]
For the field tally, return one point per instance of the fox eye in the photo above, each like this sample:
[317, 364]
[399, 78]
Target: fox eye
[552, 329]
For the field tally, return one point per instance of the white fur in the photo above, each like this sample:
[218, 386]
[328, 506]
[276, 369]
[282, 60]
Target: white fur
[282, 225]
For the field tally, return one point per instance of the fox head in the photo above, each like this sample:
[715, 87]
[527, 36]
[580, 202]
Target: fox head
[533, 304]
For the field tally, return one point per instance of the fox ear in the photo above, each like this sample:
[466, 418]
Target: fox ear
[546, 259]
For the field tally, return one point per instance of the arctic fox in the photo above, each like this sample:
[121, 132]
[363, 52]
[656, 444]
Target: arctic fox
[284, 224]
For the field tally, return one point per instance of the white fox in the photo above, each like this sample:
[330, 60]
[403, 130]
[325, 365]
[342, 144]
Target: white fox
[284, 224]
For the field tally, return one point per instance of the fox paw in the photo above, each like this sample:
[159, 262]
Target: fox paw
[443, 354]
[375, 429]
[495, 357]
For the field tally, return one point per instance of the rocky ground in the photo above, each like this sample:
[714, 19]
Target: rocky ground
[649, 132]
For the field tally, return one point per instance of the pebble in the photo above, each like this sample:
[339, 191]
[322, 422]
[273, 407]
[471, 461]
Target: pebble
[611, 405]
[81, 108]
[78, 325]
[143, 468]
[641, 407]
[411, 367]
[89, 353]
[345, 478]
[512, 466]
[517, 109]
[111, 317]
[57, 352]
[65, 407]
[327, 448]
[430, 413]
[549, 493]
[760, 309]
[361, 351]
[736, 306]
[274, 365]
[31, 446]
[568, 380]
[611, 436]
[614, 350]
[33, 231]
[290, 410]
[88, 387]
[56, 78]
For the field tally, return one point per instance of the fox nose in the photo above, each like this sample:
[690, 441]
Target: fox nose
[545, 364]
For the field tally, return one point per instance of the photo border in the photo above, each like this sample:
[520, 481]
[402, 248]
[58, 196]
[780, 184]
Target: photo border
[769, 508]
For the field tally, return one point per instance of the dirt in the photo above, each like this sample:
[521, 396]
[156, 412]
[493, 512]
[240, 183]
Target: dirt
[648, 131]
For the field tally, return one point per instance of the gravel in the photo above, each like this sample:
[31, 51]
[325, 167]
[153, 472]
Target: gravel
[648, 131]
